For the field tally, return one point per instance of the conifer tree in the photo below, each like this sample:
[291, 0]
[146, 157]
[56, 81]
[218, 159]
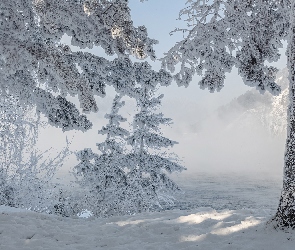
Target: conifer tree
[149, 184]
[105, 177]
[122, 182]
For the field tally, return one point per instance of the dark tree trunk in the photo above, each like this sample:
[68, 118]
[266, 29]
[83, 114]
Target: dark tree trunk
[285, 216]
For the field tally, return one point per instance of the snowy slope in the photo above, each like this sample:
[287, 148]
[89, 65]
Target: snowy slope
[202, 228]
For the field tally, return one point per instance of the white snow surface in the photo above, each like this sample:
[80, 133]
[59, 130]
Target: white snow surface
[201, 228]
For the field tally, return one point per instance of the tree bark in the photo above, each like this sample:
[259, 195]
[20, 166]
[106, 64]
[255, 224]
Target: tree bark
[285, 215]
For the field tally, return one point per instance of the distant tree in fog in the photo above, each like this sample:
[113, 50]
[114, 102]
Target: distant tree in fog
[262, 111]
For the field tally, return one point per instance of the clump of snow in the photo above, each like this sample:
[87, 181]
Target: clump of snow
[85, 214]
[202, 228]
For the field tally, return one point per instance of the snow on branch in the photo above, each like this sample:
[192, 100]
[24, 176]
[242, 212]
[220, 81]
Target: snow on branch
[33, 57]
[225, 33]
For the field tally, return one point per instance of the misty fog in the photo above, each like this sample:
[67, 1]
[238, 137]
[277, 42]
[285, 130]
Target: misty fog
[245, 134]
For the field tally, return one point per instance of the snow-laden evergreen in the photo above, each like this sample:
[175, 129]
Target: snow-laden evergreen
[149, 164]
[38, 69]
[222, 34]
[103, 175]
[124, 181]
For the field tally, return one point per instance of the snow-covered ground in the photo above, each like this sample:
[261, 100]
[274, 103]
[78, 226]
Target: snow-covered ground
[243, 204]
[202, 228]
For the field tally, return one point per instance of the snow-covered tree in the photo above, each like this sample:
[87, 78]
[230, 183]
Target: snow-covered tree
[245, 34]
[38, 69]
[25, 174]
[148, 166]
[17, 133]
[103, 174]
[123, 182]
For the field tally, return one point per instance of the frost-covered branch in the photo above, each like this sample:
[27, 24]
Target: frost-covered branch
[33, 60]
[25, 173]
[223, 34]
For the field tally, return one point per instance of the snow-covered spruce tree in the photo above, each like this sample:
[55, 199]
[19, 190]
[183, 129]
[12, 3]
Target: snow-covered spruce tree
[127, 183]
[38, 69]
[245, 34]
[147, 179]
[105, 178]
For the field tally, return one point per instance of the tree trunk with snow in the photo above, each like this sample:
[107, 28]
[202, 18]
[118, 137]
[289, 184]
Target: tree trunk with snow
[285, 216]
